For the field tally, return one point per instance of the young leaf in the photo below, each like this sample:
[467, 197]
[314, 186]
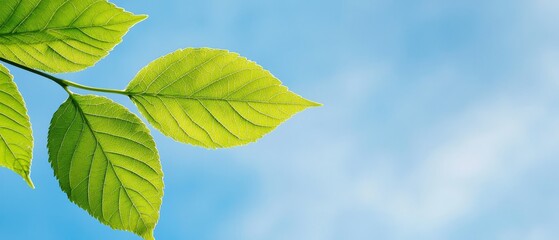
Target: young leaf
[106, 162]
[61, 35]
[16, 139]
[212, 98]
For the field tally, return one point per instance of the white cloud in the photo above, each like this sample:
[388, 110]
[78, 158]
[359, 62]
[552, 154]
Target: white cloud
[330, 184]
[449, 178]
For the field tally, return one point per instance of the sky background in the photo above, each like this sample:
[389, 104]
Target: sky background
[440, 121]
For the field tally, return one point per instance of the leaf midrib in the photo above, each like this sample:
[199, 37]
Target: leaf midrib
[171, 96]
[80, 110]
[62, 28]
[16, 159]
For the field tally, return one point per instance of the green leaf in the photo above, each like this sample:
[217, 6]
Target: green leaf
[212, 98]
[106, 162]
[61, 35]
[16, 139]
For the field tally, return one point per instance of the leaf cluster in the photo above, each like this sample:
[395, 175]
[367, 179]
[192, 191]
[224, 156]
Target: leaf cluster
[103, 155]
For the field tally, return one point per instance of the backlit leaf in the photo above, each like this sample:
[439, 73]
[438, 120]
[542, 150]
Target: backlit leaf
[212, 98]
[61, 35]
[106, 162]
[16, 139]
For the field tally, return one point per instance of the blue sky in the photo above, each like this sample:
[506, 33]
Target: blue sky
[440, 121]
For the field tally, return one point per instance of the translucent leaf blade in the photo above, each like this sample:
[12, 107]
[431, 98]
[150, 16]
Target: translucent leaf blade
[61, 35]
[16, 138]
[212, 98]
[106, 162]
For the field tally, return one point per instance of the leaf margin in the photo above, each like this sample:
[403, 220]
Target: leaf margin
[26, 175]
[149, 233]
[134, 19]
[155, 124]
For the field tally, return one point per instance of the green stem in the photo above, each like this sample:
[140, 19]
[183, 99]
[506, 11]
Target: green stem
[64, 83]
[105, 90]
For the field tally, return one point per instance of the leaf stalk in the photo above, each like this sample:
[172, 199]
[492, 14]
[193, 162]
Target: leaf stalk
[64, 83]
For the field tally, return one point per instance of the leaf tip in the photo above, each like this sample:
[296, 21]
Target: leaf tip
[141, 17]
[309, 103]
[148, 235]
[137, 18]
[29, 181]
[315, 104]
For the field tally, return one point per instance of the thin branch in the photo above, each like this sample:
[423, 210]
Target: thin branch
[64, 83]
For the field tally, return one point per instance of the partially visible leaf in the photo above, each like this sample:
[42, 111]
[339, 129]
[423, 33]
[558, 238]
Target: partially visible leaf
[212, 98]
[61, 35]
[16, 139]
[106, 162]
